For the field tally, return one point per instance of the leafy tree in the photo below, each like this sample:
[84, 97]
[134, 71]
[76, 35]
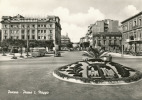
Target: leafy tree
[49, 44]
[69, 45]
[86, 44]
[4, 46]
[20, 43]
[95, 53]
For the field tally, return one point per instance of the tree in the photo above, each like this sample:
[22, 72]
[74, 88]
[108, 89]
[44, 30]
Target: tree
[21, 45]
[69, 45]
[85, 44]
[95, 53]
[14, 43]
[4, 46]
[49, 44]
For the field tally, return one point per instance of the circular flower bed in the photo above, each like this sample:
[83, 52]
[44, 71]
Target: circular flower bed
[97, 71]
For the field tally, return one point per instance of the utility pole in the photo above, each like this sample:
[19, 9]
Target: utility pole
[27, 46]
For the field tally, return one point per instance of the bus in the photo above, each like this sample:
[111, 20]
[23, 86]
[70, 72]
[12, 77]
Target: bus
[36, 52]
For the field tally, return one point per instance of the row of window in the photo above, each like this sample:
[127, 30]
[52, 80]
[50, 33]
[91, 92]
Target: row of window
[109, 37]
[28, 31]
[110, 42]
[132, 24]
[11, 34]
[28, 26]
[23, 37]
[132, 35]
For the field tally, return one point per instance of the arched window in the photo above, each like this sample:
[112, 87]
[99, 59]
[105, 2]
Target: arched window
[135, 23]
[140, 22]
[130, 26]
[134, 34]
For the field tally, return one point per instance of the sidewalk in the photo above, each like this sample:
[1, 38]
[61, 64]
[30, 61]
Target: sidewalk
[9, 57]
[124, 55]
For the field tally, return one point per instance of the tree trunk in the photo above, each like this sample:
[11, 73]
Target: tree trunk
[3, 52]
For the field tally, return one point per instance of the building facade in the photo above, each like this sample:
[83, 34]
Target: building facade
[132, 34]
[109, 41]
[64, 41]
[105, 34]
[106, 25]
[84, 42]
[19, 27]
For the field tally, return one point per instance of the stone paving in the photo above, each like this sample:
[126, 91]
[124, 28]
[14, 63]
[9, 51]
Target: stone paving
[35, 75]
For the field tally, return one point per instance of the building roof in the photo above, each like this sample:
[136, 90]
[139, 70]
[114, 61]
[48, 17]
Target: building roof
[20, 18]
[131, 17]
[64, 37]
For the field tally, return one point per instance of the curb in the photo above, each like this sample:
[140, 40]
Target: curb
[124, 56]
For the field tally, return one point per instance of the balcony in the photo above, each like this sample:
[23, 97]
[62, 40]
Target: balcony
[134, 40]
[134, 27]
[138, 39]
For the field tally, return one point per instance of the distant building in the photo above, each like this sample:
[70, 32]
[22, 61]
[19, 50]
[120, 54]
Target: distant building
[75, 45]
[105, 34]
[109, 41]
[132, 34]
[19, 27]
[84, 43]
[64, 41]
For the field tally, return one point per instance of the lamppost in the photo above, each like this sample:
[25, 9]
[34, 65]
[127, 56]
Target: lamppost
[14, 50]
[122, 43]
[27, 46]
[122, 50]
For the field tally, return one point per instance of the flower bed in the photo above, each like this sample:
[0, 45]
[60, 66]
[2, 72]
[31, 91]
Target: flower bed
[74, 72]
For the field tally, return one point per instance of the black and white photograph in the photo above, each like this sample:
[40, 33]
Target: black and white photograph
[70, 50]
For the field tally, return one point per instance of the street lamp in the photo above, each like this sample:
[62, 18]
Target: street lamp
[122, 54]
[14, 50]
[122, 51]
[27, 46]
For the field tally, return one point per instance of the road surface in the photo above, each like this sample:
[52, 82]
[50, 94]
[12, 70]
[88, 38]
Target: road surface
[32, 79]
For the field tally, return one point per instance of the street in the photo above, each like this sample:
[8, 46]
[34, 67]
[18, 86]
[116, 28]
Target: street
[32, 79]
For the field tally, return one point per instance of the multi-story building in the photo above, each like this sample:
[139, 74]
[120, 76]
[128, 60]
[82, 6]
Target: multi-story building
[64, 41]
[106, 25]
[89, 35]
[132, 34]
[106, 34]
[109, 41]
[19, 27]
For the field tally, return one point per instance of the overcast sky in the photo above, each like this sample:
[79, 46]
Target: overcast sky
[75, 15]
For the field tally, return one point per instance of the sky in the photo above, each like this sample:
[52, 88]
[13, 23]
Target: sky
[75, 15]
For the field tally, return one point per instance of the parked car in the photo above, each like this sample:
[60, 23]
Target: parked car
[38, 52]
